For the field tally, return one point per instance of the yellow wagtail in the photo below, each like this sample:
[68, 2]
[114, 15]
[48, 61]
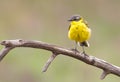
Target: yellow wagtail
[79, 31]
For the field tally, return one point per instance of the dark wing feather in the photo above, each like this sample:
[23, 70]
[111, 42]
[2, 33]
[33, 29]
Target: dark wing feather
[69, 27]
[86, 23]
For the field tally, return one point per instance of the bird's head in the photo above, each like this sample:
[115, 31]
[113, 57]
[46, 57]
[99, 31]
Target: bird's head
[75, 18]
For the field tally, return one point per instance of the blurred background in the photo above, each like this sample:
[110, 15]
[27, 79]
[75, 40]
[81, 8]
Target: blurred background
[46, 21]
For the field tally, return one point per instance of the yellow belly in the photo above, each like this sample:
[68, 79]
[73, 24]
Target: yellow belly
[79, 33]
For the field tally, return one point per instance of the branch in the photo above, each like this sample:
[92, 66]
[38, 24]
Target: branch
[56, 50]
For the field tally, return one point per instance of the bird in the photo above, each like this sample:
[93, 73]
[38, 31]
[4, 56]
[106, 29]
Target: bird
[79, 31]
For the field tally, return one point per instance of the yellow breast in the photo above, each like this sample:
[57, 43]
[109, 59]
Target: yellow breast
[79, 31]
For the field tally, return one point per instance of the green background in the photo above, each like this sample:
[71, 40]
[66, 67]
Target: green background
[46, 20]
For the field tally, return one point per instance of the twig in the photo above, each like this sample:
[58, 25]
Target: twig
[4, 52]
[91, 60]
[49, 62]
[104, 74]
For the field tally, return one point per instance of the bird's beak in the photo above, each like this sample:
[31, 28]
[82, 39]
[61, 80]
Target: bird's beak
[71, 19]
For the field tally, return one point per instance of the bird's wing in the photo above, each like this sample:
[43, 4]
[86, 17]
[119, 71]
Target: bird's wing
[69, 27]
[85, 22]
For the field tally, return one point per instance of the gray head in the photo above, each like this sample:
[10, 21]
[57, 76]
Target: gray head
[75, 18]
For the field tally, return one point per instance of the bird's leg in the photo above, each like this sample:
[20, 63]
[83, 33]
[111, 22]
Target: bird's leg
[83, 50]
[75, 45]
[75, 49]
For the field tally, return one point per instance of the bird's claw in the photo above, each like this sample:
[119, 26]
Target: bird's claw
[75, 50]
[83, 53]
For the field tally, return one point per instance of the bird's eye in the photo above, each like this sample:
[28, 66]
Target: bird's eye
[77, 18]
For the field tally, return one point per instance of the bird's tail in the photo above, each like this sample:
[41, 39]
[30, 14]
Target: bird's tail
[85, 43]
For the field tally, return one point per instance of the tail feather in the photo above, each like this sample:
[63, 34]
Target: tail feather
[85, 43]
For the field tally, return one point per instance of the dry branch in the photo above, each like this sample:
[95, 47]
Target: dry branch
[91, 60]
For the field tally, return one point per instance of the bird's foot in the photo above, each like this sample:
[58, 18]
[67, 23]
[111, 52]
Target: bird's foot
[83, 53]
[75, 50]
